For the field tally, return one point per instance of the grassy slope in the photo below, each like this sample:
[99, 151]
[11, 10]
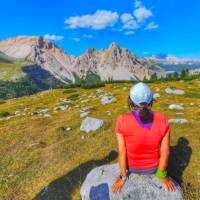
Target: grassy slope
[11, 71]
[61, 159]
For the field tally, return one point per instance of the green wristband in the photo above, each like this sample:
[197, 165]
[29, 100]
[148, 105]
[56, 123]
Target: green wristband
[161, 174]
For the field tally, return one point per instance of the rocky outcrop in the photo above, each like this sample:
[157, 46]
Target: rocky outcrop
[114, 63]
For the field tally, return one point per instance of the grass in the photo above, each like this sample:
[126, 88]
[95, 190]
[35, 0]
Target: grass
[37, 152]
[11, 71]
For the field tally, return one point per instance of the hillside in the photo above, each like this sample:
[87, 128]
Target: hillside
[44, 155]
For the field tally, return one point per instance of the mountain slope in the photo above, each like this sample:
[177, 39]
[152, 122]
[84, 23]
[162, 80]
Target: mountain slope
[114, 63]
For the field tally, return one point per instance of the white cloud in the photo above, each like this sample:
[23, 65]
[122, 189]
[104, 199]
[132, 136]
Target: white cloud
[138, 3]
[151, 25]
[76, 39]
[129, 22]
[88, 36]
[142, 13]
[99, 20]
[129, 33]
[53, 37]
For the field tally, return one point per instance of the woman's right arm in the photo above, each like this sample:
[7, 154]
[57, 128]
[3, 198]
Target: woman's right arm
[122, 163]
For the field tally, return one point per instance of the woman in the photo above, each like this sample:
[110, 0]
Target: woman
[143, 139]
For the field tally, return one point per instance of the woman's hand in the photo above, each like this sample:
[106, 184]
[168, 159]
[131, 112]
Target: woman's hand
[169, 185]
[117, 185]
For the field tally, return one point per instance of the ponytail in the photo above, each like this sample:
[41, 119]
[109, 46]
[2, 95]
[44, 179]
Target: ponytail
[145, 113]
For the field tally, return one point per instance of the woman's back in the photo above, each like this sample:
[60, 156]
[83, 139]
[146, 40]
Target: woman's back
[142, 143]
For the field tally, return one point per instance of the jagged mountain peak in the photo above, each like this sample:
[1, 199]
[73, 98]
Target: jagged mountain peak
[113, 63]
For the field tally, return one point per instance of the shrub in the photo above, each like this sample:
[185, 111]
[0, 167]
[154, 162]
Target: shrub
[68, 91]
[90, 85]
[4, 114]
[73, 96]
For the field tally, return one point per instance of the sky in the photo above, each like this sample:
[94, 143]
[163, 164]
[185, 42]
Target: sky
[143, 26]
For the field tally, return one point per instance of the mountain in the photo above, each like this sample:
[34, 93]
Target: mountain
[114, 63]
[172, 63]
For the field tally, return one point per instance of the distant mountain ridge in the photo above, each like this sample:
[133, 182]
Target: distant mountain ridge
[113, 63]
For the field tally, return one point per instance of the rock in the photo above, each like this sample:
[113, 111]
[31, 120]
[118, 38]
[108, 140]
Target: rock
[47, 115]
[108, 112]
[192, 104]
[68, 129]
[91, 124]
[156, 95]
[179, 113]
[176, 107]
[171, 91]
[157, 89]
[181, 81]
[98, 183]
[85, 101]
[61, 107]
[178, 121]
[108, 100]
[84, 114]
[99, 90]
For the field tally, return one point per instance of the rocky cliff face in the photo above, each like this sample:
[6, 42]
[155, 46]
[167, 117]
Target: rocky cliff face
[114, 63]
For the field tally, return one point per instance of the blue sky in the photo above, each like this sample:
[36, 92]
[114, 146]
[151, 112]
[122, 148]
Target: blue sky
[145, 27]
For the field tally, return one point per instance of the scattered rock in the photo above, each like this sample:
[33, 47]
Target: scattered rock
[68, 129]
[108, 100]
[84, 114]
[192, 104]
[176, 107]
[91, 124]
[179, 113]
[47, 115]
[157, 89]
[156, 95]
[108, 112]
[178, 121]
[99, 181]
[171, 91]
[99, 90]
[61, 107]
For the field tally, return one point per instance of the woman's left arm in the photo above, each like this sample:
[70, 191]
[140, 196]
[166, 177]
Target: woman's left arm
[164, 158]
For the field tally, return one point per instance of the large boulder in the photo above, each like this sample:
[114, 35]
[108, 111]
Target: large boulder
[108, 99]
[91, 124]
[98, 183]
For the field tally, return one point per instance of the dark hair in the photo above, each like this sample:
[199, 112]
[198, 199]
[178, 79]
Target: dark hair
[145, 113]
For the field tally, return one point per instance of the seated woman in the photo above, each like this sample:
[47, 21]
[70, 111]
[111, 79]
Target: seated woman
[143, 139]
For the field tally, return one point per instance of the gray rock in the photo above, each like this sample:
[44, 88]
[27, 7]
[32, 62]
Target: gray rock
[91, 124]
[176, 107]
[171, 91]
[84, 114]
[178, 121]
[156, 95]
[98, 183]
[179, 113]
[61, 107]
[108, 100]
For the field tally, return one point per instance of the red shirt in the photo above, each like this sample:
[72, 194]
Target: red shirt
[142, 144]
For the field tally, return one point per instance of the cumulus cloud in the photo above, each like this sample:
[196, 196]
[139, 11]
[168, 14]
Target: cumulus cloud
[128, 21]
[151, 25]
[142, 13]
[99, 20]
[129, 33]
[53, 37]
[138, 3]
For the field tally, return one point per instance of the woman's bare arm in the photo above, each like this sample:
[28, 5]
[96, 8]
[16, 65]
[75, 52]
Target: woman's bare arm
[122, 154]
[164, 152]
[122, 163]
[164, 158]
